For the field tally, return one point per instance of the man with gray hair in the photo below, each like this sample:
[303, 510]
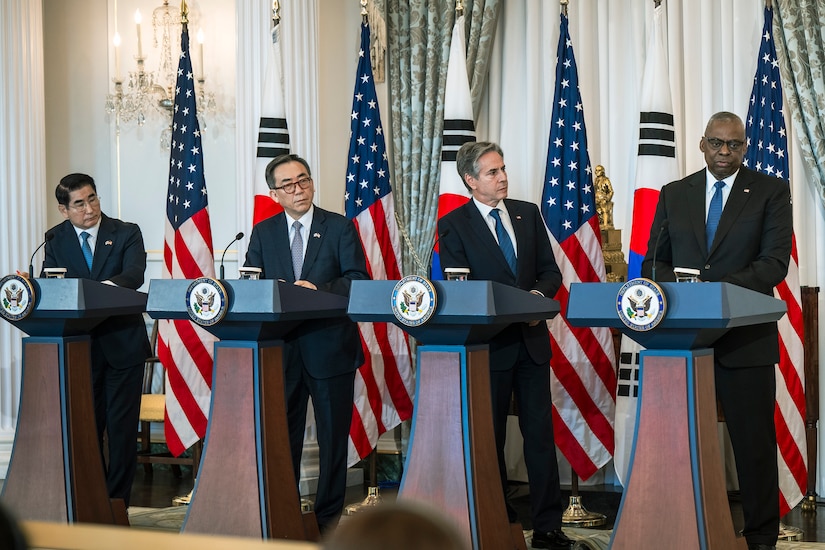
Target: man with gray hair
[505, 240]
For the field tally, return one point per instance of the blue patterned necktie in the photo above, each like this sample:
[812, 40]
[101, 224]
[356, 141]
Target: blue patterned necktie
[714, 213]
[504, 241]
[87, 250]
[297, 251]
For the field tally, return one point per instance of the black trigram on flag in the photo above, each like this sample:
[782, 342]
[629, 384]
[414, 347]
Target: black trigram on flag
[456, 134]
[657, 134]
[628, 383]
[273, 138]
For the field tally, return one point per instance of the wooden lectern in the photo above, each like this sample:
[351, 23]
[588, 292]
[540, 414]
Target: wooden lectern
[452, 463]
[246, 485]
[675, 496]
[56, 470]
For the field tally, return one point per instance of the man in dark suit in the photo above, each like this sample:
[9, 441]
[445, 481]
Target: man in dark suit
[91, 245]
[506, 241]
[311, 247]
[750, 247]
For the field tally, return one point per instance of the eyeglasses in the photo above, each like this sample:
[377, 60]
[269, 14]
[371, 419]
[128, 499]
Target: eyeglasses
[716, 144]
[289, 188]
[80, 206]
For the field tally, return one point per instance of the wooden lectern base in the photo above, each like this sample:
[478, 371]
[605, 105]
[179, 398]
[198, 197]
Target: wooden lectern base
[56, 470]
[452, 463]
[246, 486]
[675, 496]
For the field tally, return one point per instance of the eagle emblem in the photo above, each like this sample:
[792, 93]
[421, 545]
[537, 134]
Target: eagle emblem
[17, 297]
[14, 295]
[205, 299]
[640, 307]
[413, 300]
[641, 304]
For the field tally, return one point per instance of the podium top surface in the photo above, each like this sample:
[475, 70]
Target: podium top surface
[84, 298]
[249, 300]
[689, 306]
[457, 303]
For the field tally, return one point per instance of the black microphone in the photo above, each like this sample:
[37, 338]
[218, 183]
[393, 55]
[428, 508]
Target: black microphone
[662, 228]
[238, 237]
[438, 237]
[49, 236]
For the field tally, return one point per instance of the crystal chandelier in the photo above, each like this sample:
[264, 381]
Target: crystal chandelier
[144, 95]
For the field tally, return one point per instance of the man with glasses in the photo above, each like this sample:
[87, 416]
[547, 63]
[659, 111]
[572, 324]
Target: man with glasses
[91, 245]
[734, 225]
[320, 250]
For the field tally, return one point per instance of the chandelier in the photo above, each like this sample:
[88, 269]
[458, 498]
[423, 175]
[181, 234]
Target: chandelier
[141, 93]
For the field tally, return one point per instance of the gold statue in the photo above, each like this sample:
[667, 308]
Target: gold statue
[604, 198]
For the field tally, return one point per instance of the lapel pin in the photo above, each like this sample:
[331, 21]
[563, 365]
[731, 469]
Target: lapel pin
[747, 190]
[518, 217]
[316, 235]
[108, 243]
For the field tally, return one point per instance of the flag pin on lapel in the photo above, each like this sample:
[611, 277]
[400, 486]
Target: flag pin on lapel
[108, 243]
[518, 217]
[316, 235]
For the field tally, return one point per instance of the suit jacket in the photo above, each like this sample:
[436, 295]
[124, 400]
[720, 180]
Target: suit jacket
[334, 258]
[751, 248]
[120, 258]
[465, 240]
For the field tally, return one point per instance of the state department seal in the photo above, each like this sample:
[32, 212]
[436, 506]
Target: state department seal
[641, 304]
[413, 300]
[206, 301]
[16, 296]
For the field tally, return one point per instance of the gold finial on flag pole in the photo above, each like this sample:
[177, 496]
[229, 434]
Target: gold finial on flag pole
[768, 4]
[459, 8]
[657, 3]
[184, 13]
[364, 17]
[276, 11]
[564, 6]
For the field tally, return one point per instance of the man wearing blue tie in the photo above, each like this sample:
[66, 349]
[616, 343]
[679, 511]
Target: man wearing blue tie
[91, 245]
[505, 240]
[734, 225]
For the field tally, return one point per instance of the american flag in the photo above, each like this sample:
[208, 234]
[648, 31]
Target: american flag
[768, 153]
[185, 350]
[583, 377]
[273, 131]
[656, 165]
[459, 128]
[384, 383]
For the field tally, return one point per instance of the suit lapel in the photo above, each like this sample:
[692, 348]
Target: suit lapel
[283, 255]
[105, 243]
[314, 238]
[696, 208]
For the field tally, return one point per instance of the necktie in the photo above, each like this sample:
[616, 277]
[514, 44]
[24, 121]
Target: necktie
[714, 213]
[297, 251]
[504, 241]
[87, 250]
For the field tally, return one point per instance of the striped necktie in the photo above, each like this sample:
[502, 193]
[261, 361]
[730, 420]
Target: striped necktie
[504, 241]
[714, 213]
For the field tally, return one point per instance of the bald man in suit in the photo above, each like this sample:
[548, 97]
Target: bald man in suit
[506, 241]
[120, 345]
[749, 247]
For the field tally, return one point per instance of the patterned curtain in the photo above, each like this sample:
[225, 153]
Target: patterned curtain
[800, 45]
[419, 46]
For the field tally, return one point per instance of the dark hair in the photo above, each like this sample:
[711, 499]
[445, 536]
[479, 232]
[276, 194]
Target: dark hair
[466, 159]
[70, 183]
[279, 160]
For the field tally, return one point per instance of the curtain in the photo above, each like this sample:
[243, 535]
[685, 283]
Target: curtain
[800, 45]
[419, 34]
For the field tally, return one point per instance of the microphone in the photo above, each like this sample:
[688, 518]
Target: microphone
[238, 237]
[49, 236]
[438, 237]
[662, 228]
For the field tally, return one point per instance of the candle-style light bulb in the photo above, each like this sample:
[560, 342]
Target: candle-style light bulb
[116, 42]
[138, 20]
[200, 48]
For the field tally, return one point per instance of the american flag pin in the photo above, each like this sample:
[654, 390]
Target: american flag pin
[518, 217]
[316, 235]
[108, 243]
[747, 190]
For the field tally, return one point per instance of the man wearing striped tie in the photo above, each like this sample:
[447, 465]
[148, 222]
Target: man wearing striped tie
[320, 250]
[91, 245]
[734, 225]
